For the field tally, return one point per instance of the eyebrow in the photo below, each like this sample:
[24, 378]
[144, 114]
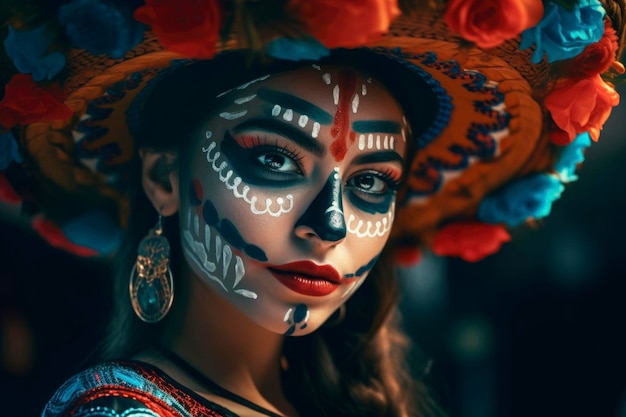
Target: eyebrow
[291, 133]
[379, 126]
[379, 156]
[297, 104]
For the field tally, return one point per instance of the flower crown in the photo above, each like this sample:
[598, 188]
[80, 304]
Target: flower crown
[575, 37]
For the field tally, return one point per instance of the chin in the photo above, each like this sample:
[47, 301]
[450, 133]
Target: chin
[294, 320]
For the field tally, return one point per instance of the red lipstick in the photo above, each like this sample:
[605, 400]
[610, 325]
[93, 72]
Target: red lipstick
[307, 278]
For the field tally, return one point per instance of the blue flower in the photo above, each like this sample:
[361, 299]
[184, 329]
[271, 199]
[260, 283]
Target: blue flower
[101, 26]
[529, 197]
[297, 49]
[94, 230]
[563, 33]
[27, 49]
[8, 150]
[571, 156]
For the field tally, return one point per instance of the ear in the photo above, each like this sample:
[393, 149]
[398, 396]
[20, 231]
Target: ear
[159, 177]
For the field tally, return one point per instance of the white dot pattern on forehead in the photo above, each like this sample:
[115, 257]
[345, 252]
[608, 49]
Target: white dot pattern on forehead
[288, 115]
[326, 78]
[369, 142]
[336, 95]
[303, 120]
[316, 129]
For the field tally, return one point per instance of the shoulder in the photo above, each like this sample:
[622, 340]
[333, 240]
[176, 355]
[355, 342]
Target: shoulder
[123, 389]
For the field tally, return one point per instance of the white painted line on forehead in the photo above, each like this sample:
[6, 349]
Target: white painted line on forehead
[363, 90]
[243, 86]
[249, 83]
[245, 99]
[317, 67]
[336, 95]
[326, 78]
[233, 115]
[355, 103]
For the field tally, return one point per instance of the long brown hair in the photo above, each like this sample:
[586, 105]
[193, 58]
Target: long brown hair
[354, 367]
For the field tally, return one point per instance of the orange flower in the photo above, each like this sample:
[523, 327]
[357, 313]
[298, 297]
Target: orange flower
[597, 57]
[27, 102]
[190, 27]
[470, 240]
[488, 23]
[346, 23]
[579, 106]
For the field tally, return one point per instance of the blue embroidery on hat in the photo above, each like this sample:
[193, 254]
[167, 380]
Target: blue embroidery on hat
[444, 100]
[481, 138]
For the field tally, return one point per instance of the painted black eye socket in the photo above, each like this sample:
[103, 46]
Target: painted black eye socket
[372, 192]
[264, 163]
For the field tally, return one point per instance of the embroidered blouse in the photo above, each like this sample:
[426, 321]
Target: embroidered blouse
[128, 389]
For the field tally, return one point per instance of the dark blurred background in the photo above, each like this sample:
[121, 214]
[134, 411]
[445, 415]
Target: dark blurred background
[535, 330]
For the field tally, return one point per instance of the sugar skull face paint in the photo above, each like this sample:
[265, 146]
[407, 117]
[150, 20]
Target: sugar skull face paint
[284, 208]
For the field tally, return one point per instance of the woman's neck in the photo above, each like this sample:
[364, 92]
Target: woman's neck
[226, 346]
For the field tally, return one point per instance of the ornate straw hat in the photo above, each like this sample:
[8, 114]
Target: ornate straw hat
[519, 88]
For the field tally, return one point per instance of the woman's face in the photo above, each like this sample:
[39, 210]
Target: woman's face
[290, 193]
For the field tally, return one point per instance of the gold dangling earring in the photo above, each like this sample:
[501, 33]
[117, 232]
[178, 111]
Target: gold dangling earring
[151, 284]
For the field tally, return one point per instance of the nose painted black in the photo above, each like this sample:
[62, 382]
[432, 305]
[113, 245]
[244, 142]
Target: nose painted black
[325, 213]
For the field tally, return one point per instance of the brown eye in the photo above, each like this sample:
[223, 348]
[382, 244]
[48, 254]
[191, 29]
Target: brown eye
[369, 183]
[277, 162]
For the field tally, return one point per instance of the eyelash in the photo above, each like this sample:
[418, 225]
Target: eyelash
[260, 145]
[390, 177]
[263, 144]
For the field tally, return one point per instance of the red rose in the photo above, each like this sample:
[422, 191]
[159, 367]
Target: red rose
[346, 23]
[579, 106]
[55, 237]
[190, 28]
[597, 57]
[470, 240]
[26, 102]
[488, 23]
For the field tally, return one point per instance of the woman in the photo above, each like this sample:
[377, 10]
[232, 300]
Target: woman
[284, 191]
[270, 248]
